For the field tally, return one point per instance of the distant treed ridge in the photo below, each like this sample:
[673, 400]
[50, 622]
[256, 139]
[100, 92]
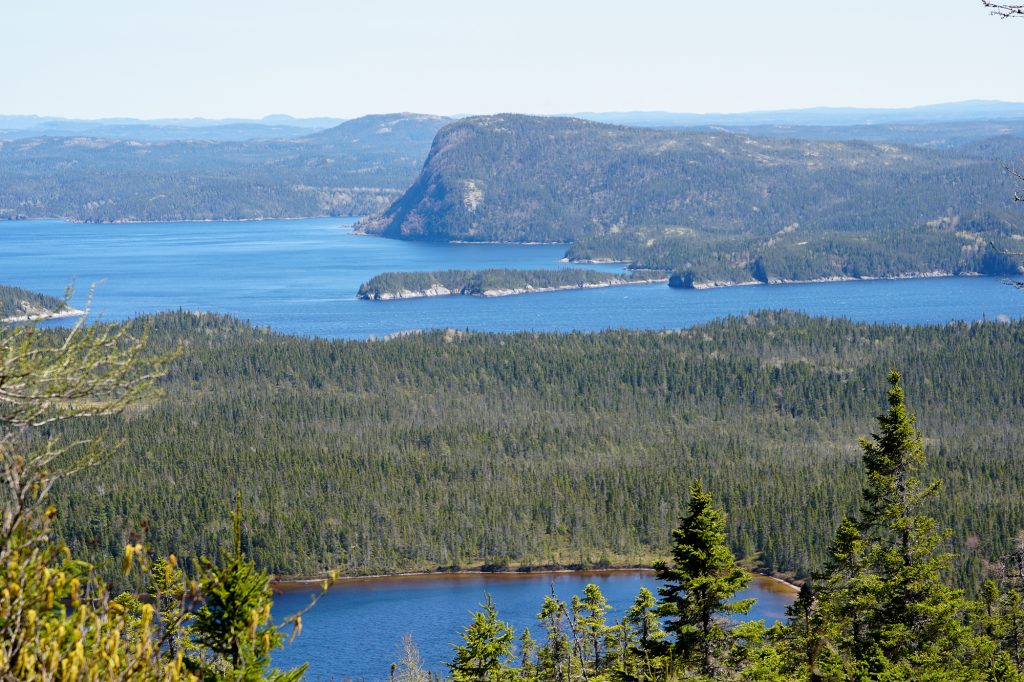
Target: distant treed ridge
[354, 168]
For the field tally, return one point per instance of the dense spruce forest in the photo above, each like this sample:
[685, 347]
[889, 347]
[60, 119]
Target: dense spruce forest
[494, 282]
[357, 167]
[879, 608]
[716, 205]
[15, 301]
[448, 449]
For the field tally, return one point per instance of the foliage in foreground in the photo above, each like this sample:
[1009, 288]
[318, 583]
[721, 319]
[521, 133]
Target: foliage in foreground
[58, 620]
[880, 608]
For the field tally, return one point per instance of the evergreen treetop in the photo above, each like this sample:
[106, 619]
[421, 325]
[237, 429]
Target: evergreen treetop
[700, 583]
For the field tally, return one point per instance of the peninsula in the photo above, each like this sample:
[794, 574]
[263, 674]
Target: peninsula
[22, 305]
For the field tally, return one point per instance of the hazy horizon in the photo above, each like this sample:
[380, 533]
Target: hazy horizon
[312, 58]
[285, 115]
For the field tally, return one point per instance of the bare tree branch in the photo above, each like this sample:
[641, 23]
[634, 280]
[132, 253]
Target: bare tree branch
[1004, 11]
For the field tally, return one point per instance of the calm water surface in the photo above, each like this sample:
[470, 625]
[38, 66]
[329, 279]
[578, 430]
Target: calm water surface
[356, 630]
[301, 277]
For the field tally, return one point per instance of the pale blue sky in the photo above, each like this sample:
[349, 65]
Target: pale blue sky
[249, 58]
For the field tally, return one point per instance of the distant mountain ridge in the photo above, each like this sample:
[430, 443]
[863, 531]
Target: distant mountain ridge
[971, 110]
[989, 112]
[281, 167]
[376, 130]
[356, 167]
[153, 130]
[942, 126]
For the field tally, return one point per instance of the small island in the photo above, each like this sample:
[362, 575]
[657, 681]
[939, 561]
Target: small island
[496, 282]
[22, 305]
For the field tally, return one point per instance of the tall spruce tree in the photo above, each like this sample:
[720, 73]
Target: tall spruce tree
[885, 589]
[234, 622]
[1001, 617]
[700, 585]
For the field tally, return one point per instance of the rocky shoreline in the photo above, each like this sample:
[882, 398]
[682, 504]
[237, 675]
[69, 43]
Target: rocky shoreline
[41, 316]
[440, 290]
[686, 282]
[837, 278]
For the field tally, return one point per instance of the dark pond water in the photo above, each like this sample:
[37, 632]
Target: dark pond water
[356, 630]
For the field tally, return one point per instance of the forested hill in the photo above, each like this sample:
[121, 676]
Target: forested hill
[524, 178]
[357, 167]
[443, 448]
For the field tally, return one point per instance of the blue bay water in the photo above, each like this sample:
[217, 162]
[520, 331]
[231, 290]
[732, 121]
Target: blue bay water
[356, 630]
[301, 276]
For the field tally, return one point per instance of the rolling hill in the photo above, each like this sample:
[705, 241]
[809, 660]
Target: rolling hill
[721, 201]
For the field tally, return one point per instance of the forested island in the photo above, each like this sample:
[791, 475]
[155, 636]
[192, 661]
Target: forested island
[17, 304]
[495, 282]
[448, 449]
